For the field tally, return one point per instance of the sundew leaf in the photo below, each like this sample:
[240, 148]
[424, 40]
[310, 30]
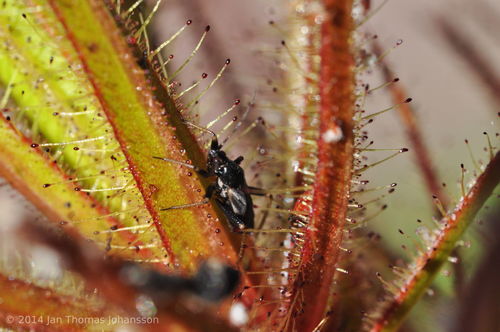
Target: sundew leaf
[75, 91]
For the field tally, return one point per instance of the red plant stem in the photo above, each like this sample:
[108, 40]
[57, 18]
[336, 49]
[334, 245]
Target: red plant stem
[335, 162]
[429, 263]
[407, 115]
[307, 118]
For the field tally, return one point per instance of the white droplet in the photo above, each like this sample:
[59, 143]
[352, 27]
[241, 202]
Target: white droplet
[287, 243]
[238, 314]
[453, 259]
[357, 12]
[333, 135]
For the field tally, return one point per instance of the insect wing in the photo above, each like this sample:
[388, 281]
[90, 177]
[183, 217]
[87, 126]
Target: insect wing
[238, 201]
[235, 221]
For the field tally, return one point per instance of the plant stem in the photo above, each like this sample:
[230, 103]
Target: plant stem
[428, 264]
[334, 171]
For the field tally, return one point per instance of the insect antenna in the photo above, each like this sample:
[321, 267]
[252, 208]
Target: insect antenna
[178, 163]
[200, 128]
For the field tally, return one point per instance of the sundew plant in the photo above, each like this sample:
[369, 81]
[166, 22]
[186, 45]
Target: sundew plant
[152, 182]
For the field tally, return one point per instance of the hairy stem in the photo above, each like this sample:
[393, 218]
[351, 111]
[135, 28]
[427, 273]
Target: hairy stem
[429, 263]
[334, 171]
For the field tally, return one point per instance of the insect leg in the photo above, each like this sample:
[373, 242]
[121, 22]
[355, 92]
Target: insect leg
[256, 191]
[185, 206]
[235, 221]
[210, 190]
[238, 160]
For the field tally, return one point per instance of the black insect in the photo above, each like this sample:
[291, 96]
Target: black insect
[213, 282]
[230, 191]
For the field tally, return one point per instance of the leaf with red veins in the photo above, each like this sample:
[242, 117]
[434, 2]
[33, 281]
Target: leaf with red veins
[28, 170]
[136, 118]
[79, 94]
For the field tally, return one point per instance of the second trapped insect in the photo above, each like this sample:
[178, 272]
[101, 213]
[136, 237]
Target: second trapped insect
[213, 282]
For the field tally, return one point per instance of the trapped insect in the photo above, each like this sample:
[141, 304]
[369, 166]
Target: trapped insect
[230, 190]
[213, 282]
